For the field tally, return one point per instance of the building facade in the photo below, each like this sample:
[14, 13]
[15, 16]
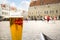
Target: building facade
[5, 10]
[9, 11]
[0, 10]
[41, 10]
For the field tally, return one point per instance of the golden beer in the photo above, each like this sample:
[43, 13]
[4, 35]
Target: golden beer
[16, 26]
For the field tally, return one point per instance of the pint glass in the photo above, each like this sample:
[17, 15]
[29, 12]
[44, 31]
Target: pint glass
[16, 26]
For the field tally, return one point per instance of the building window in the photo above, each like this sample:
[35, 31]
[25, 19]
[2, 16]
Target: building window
[31, 13]
[4, 13]
[51, 11]
[29, 16]
[37, 16]
[46, 12]
[56, 11]
[34, 7]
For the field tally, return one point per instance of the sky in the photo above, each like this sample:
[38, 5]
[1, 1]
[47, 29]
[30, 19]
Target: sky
[22, 4]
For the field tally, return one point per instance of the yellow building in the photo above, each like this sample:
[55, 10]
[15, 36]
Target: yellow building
[39, 11]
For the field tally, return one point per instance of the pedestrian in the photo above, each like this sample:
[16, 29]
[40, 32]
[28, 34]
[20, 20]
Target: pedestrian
[48, 18]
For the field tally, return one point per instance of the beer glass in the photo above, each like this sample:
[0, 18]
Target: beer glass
[16, 26]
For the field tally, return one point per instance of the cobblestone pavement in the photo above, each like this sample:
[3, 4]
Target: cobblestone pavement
[32, 30]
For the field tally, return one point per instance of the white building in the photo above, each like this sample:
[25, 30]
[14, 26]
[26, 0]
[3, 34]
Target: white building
[10, 11]
[24, 14]
[5, 10]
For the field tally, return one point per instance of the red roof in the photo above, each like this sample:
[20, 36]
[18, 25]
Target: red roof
[43, 2]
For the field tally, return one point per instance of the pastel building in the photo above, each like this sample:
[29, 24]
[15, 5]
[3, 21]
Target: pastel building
[9, 11]
[40, 8]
